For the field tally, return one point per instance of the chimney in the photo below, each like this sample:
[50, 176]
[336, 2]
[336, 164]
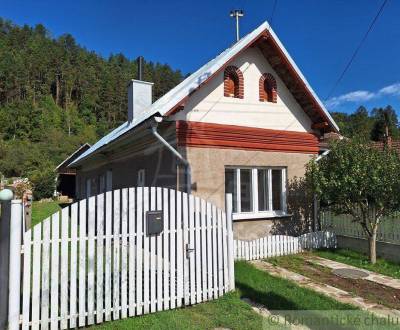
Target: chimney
[139, 93]
[140, 65]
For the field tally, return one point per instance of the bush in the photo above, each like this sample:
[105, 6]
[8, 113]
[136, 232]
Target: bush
[22, 187]
[44, 182]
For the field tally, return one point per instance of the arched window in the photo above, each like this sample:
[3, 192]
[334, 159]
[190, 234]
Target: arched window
[268, 89]
[233, 82]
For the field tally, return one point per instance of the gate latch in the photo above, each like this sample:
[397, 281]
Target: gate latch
[188, 250]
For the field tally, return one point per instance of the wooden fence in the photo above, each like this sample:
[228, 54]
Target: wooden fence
[388, 230]
[279, 245]
[95, 260]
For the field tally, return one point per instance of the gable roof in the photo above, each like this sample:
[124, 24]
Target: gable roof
[168, 103]
[73, 156]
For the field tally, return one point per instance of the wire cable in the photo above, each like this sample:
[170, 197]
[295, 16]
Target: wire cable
[357, 49]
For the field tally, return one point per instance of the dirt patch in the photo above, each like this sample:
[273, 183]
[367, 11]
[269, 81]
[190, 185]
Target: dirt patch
[368, 290]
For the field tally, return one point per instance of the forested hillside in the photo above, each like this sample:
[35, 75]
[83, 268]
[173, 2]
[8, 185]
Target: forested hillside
[56, 95]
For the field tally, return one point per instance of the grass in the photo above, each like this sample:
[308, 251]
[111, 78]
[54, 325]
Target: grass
[293, 262]
[373, 292]
[230, 311]
[42, 210]
[360, 260]
[278, 293]
[226, 312]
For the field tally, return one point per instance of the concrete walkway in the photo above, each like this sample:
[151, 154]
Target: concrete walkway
[330, 291]
[373, 277]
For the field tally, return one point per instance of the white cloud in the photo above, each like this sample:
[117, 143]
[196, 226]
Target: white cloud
[363, 96]
[390, 90]
[356, 96]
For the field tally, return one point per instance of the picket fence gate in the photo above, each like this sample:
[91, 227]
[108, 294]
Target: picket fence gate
[279, 245]
[94, 261]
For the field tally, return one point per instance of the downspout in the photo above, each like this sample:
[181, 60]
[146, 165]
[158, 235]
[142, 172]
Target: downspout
[315, 199]
[175, 152]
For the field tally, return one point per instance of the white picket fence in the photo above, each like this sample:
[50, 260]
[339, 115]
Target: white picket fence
[95, 262]
[279, 245]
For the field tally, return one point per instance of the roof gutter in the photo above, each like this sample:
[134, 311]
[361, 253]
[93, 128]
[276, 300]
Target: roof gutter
[71, 155]
[175, 152]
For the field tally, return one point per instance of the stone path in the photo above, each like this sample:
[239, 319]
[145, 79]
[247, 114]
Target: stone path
[373, 277]
[335, 293]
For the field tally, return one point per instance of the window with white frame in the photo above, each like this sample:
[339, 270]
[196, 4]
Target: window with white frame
[256, 191]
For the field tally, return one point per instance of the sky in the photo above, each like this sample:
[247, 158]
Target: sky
[320, 36]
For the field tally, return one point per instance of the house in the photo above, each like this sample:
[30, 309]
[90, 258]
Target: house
[66, 175]
[245, 123]
[389, 143]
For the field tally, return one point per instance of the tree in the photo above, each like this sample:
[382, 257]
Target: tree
[369, 126]
[357, 124]
[358, 180]
[33, 66]
[386, 123]
[360, 123]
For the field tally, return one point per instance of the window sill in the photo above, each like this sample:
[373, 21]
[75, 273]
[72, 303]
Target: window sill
[260, 215]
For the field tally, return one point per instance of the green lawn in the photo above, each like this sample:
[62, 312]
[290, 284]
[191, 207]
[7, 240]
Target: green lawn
[227, 312]
[278, 293]
[293, 262]
[373, 292]
[42, 210]
[357, 259]
[231, 312]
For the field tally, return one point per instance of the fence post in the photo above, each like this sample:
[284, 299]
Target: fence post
[316, 213]
[4, 261]
[231, 252]
[14, 284]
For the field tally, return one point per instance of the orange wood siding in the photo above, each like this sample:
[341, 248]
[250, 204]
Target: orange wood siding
[196, 134]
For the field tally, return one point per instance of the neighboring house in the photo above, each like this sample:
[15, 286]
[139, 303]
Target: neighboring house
[387, 143]
[66, 175]
[245, 123]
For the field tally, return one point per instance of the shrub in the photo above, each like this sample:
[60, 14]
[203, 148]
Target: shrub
[44, 182]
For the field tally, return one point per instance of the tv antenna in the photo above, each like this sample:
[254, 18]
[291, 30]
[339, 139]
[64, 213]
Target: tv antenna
[237, 13]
